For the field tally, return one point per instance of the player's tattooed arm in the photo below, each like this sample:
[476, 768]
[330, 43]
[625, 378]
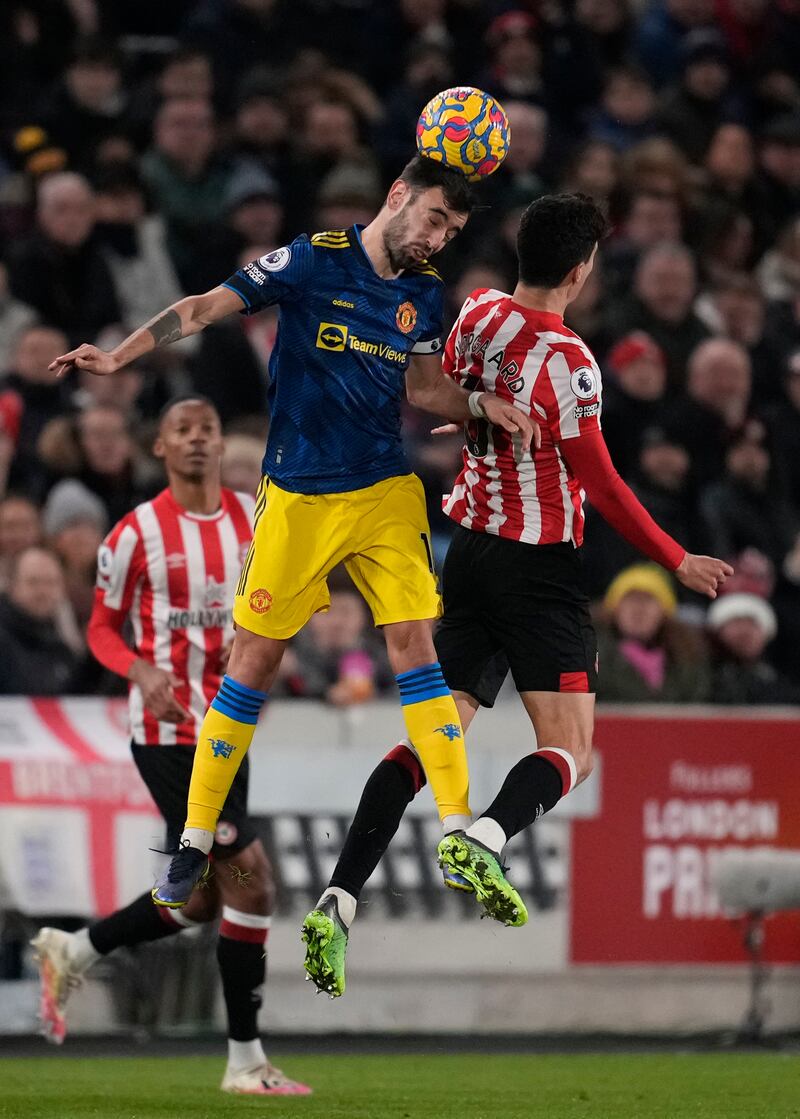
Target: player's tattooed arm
[166, 328]
[187, 316]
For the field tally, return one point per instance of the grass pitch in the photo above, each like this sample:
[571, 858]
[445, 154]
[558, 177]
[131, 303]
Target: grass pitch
[608, 1086]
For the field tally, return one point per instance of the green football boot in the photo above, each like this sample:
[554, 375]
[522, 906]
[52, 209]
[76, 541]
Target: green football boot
[481, 868]
[325, 935]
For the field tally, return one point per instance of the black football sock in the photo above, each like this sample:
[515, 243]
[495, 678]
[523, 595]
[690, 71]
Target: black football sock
[391, 787]
[137, 923]
[242, 963]
[532, 787]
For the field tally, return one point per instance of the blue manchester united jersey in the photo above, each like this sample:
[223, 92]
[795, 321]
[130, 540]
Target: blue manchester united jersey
[337, 371]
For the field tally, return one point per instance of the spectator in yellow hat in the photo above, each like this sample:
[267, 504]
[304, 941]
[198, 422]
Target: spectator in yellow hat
[646, 654]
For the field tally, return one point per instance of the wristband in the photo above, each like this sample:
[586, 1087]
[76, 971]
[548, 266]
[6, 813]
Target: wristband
[475, 406]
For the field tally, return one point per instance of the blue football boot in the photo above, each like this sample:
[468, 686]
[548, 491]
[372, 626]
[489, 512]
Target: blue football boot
[189, 868]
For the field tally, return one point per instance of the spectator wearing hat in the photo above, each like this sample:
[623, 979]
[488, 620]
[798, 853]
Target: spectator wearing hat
[633, 396]
[742, 626]
[74, 522]
[665, 283]
[691, 112]
[645, 654]
[745, 507]
[61, 270]
[253, 209]
[36, 659]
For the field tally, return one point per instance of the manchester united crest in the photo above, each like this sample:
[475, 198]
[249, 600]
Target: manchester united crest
[406, 317]
[260, 601]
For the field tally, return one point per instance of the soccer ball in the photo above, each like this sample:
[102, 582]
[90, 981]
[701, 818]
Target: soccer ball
[466, 129]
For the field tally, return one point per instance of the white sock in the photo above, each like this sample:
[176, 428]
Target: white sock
[245, 1055]
[489, 833]
[82, 953]
[347, 903]
[199, 838]
[455, 823]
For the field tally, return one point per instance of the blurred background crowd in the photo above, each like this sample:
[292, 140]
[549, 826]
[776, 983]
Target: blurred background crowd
[149, 149]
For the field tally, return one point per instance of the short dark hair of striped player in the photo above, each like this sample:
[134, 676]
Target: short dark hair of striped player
[557, 232]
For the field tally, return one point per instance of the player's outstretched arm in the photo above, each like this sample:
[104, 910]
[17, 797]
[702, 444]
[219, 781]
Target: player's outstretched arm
[429, 389]
[590, 462]
[187, 316]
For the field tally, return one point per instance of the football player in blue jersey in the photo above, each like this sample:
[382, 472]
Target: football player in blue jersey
[360, 323]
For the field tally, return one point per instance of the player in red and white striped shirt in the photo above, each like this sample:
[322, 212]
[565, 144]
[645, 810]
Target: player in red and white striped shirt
[171, 566]
[512, 582]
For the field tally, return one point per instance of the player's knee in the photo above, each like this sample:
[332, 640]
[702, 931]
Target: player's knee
[409, 645]
[255, 660]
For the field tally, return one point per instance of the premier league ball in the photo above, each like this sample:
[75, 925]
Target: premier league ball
[466, 129]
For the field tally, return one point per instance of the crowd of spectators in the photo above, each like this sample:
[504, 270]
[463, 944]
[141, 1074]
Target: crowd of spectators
[148, 150]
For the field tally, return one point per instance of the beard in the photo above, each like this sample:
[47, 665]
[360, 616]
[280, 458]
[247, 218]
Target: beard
[395, 241]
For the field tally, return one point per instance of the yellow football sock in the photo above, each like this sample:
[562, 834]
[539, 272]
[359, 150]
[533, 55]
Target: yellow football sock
[435, 730]
[225, 736]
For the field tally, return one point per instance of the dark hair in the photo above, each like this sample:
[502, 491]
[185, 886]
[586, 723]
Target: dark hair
[424, 174]
[556, 232]
[186, 398]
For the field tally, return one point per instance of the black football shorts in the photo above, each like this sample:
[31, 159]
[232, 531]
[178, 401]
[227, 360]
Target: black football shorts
[514, 607]
[167, 770]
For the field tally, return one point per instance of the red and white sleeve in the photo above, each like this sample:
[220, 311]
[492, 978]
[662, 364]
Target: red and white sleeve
[573, 391]
[120, 562]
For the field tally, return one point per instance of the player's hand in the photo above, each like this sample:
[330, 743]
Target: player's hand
[157, 692]
[511, 419]
[704, 574]
[85, 357]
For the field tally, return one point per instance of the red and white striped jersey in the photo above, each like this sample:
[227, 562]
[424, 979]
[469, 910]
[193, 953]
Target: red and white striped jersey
[175, 574]
[531, 359]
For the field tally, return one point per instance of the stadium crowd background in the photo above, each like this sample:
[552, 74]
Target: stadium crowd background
[150, 149]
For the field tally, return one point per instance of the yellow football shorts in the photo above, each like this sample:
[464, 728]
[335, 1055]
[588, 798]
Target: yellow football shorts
[380, 533]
